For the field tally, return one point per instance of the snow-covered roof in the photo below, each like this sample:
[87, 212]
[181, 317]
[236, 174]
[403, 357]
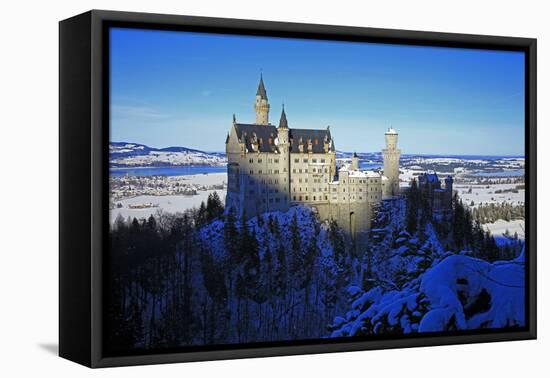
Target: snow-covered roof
[356, 173]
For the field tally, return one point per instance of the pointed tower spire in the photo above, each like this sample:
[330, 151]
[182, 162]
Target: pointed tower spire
[261, 106]
[283, 123]
[261, 89]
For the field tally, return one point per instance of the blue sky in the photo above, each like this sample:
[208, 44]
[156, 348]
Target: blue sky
[181, 89]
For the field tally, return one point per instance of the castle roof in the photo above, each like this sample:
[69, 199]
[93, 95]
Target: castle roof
[430, 177]
[264, 134]
[391, 131]
[315, 136]
[261, 89]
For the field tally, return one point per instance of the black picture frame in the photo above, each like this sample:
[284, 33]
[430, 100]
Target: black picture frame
[83, 166]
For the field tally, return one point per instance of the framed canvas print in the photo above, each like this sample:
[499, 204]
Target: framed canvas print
[233, 188]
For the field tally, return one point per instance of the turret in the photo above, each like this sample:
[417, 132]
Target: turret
[355, 162]
[391, 161]
[449, 184]
[261, 106]
[282, 130]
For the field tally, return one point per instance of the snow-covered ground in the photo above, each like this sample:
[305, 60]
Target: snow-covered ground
[488, 194]
[171, 203]
[176, 158]
[500, 226]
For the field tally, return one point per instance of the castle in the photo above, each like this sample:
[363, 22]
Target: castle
[440, 200]
[271, 168]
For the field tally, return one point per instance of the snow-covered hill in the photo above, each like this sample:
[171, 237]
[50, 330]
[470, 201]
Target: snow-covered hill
[123, 154]
[418, 285]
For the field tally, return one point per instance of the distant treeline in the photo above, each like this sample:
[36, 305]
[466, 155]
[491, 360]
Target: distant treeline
[491, 212]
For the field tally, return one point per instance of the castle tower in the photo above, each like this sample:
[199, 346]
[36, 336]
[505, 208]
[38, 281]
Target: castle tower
[283, 146]
[355, 162]
[391, 156]
[261, 106]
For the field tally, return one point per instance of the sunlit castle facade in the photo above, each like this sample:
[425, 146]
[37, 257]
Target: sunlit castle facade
[271, 168]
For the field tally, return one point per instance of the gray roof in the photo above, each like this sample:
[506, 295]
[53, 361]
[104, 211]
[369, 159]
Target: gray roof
[316, 136]
[264, 134]
[261, 133]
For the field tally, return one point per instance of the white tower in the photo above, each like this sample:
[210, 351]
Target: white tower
[391, 156]
[261, 106]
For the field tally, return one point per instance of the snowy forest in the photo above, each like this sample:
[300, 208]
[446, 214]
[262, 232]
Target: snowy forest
[206, 277]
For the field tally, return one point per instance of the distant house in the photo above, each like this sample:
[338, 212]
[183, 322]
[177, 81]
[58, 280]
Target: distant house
[440, 200]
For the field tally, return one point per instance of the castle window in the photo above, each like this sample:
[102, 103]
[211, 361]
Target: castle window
[305, 180]
[284, 169]
[316, 141]
[344, 190]
[314, 160]
[307, 198]
[326, 198]
[251, 172]
[261, 141]
[322, 160]
[326, 170]
[300, 170]
[277, 200]
[300, 198]
[276, 160]
[251, 160]
[294, 198]
[271, 200]
[294, 171]
[270, 140]
[296, 160]
[259, 160]
[305, 170]
[305, 160]
[260, 172]
[314, 198]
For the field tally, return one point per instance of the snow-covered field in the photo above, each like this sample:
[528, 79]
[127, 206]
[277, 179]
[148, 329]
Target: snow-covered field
[488, 194]
[171, 203]
[176, 158]
[500, 227]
